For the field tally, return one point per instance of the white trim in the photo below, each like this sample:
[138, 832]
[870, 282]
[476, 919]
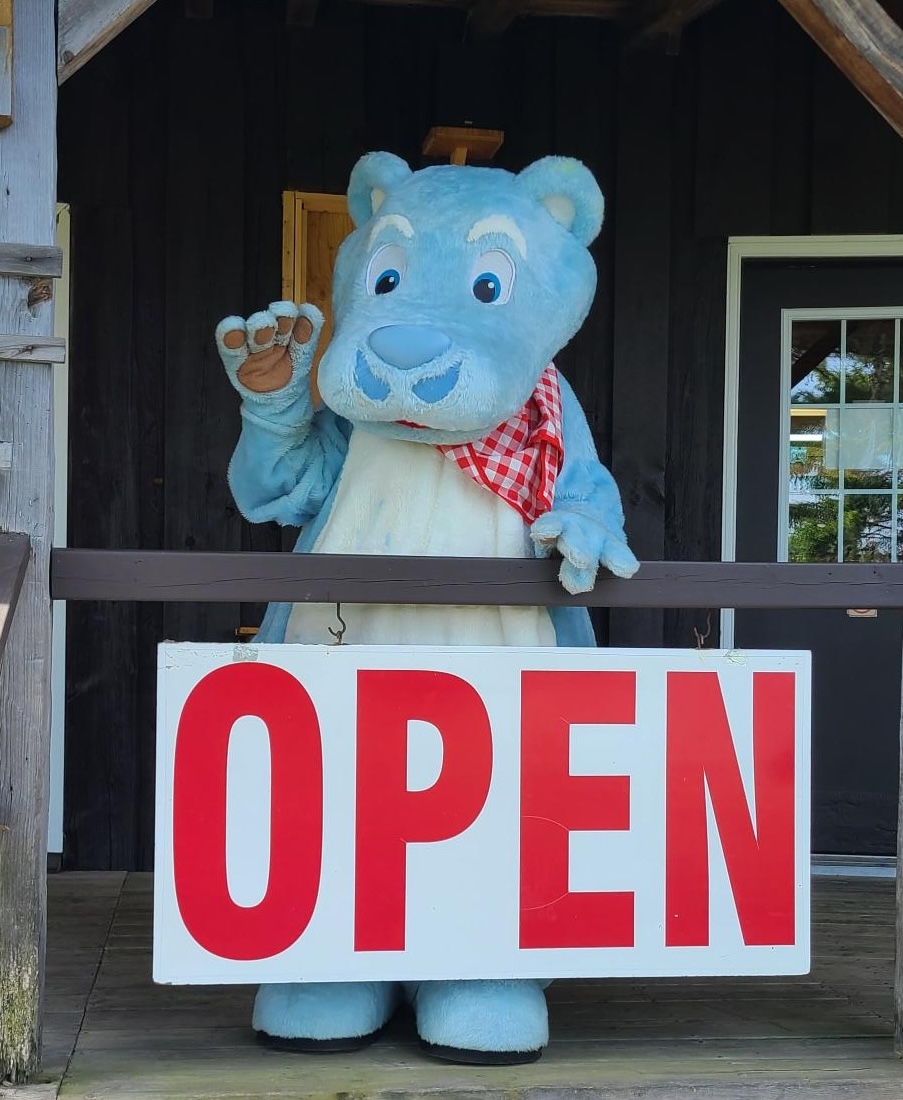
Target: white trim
[748, 248]
[60, 494]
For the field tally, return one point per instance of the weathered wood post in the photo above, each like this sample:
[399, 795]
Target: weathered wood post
[27, 216]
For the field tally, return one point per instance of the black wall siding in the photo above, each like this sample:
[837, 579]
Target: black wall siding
[175, 145]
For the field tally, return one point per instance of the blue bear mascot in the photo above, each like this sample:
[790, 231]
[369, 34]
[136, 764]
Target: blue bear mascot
[444, 429]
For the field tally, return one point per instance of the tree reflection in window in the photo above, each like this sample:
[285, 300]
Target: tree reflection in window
[844, 456]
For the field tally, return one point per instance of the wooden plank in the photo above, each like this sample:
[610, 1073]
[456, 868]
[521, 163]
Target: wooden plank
[25, 348]
[27, 213]
[842, 198]
[205, 281]
[179, 576]
[101, 771]
[14, 551]
[6, 63]
[31, 259]
[653, 19]
[86, 26]
[734, 121]
[866, 45]
[641, 335]
[147, 180]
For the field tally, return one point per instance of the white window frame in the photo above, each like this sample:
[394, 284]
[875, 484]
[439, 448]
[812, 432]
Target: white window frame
[740, 249]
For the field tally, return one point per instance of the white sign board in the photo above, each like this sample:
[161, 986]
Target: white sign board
[370, 812]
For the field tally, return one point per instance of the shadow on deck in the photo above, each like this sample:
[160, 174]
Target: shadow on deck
[111, 1033]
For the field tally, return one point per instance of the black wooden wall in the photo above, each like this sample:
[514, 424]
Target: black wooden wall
[175, 145]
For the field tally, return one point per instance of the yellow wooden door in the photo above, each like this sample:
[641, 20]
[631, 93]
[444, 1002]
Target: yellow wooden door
[313, 227]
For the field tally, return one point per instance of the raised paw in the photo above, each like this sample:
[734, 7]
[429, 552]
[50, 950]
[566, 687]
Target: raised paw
[265, 352]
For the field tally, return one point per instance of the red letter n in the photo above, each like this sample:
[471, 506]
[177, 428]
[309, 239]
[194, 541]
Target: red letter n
[760, 857]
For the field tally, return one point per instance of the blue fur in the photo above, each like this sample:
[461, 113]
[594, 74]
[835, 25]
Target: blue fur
[448, 330]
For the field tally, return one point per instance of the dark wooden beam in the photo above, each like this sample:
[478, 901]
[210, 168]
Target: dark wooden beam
[864, 43]
[490, 17]
[658, 20]
[301, 13]
[186, 576]
[14, 551]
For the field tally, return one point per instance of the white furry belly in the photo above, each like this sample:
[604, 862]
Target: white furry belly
[396, 497]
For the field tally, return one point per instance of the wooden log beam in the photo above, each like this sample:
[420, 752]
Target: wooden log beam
[653, 20]
[864, 43]
[490, 17]
[27, 213]
[190, 576]
[86, 26]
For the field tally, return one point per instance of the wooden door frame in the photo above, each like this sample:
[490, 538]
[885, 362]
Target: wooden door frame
[740, 249]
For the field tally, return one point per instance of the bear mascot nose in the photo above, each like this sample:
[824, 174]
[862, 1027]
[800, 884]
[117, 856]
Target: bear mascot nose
[408, 346]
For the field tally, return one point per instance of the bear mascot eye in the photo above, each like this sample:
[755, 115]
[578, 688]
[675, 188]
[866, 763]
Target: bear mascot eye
[386, 269]
[493, 277]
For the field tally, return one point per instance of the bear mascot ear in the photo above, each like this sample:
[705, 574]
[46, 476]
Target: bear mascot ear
[568, 190]
[371, 179]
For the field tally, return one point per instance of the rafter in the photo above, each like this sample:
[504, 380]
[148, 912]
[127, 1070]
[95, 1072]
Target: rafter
[864, 43]
[86, 26]
[652, 20]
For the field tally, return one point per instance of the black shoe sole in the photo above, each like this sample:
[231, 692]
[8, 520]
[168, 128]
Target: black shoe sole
[463, 1056]
[318, 1046]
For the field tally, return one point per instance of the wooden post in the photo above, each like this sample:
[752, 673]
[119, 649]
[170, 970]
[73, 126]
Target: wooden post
[27, 209]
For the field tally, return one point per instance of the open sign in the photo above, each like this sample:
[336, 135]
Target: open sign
[368, 812]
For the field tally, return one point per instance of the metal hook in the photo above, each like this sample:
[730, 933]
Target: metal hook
[338, 634]
[701, 638]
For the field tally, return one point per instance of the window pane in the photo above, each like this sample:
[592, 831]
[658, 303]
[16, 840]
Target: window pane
[813, 449]
[867, 447]
[869, 364]
[867, 527]
[813, 528]
[815, 362]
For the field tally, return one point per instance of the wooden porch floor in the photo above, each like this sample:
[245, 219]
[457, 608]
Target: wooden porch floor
[110, 1033]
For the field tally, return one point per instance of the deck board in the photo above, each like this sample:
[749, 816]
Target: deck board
[824, 1036]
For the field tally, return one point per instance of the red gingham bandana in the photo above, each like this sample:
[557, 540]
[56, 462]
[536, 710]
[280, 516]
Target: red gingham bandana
[521, 459]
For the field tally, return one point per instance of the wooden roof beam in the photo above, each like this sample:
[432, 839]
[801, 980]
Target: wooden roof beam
[84, 27]
[864, 43]
[657, 20]
[490, 17]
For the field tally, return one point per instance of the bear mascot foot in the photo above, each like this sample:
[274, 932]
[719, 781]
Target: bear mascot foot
[489, 1023]
[323, 1017]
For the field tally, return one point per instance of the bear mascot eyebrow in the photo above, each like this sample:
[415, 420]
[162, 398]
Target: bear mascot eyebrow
[444, 429]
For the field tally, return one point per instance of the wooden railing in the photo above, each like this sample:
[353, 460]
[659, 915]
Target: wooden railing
[256, 577]
[179, 576]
